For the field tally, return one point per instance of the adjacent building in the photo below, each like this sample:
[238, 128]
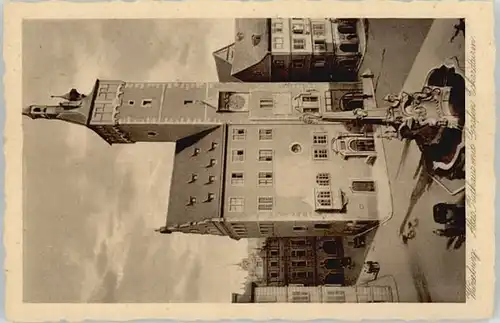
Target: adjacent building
[293, 50]
[312, 261]
[252, 159]
[317, 294]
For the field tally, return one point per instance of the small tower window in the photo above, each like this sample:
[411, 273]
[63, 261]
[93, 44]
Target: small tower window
[131, 102]
[188, 101]
[147, 103]
[152, 134]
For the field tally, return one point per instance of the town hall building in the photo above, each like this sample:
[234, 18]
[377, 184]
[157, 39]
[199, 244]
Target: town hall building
[251, 159]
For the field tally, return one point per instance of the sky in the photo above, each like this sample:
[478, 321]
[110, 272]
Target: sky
[89, 208]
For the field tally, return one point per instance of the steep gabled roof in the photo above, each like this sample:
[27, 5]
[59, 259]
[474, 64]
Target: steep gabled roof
[186, 163]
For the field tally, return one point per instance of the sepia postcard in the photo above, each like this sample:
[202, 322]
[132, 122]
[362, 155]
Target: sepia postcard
[209, 160]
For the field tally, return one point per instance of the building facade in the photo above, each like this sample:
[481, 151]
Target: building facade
[246, 162]
[312, 261]
[293, 50]
[317, 294]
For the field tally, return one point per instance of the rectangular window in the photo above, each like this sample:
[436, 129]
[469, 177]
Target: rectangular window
[274, 253]
[310, 103]
[237, 178]
[322, 226]
[298, 253]
[265, 178]
[324, 198]
[299, 263]
[279, 63]
[320, 45]
[266, 299]
[277, 27]
[236, 204]
[363, 186]
[299, 43]
[335, 297]
[147, 103]
[265, 155]
[302, 274]
[301, 242]
[310, 109]
[297, 28]
[298, 63]
[278, 42]
[320, 139]
[239, 134]
[274, 275]
[323, 179]
[266, 103]
[265, 203]
[273, 264]
[320, 154]
[238, 155]
[300, 297]
[318, 29]
[266, 228]
[265, 134]
[319, 63]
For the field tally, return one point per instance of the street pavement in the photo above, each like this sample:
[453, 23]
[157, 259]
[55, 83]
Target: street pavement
[424, 270]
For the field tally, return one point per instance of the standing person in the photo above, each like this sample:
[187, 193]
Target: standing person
[460, 27]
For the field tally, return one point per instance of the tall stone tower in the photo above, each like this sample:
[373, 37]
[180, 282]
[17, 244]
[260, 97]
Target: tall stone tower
[241, 148]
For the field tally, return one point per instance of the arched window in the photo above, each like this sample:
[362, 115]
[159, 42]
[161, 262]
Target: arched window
[362, 145]
[346, 28]
[349, 47]
[351, 101]
[333, 264]
[331, 247]
[334, 279]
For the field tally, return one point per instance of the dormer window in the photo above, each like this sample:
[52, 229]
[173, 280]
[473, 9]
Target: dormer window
[212, 163]
[192, 200]
[210, 197]
[211, 179]
[256, 39]
[194, 177]
[196, 152]
[213, 146]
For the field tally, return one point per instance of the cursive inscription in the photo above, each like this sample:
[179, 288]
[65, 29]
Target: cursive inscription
[471, 284]
[471, 136]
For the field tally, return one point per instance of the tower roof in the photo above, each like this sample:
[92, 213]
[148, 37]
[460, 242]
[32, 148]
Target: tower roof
[251, 43]
[74, 108]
